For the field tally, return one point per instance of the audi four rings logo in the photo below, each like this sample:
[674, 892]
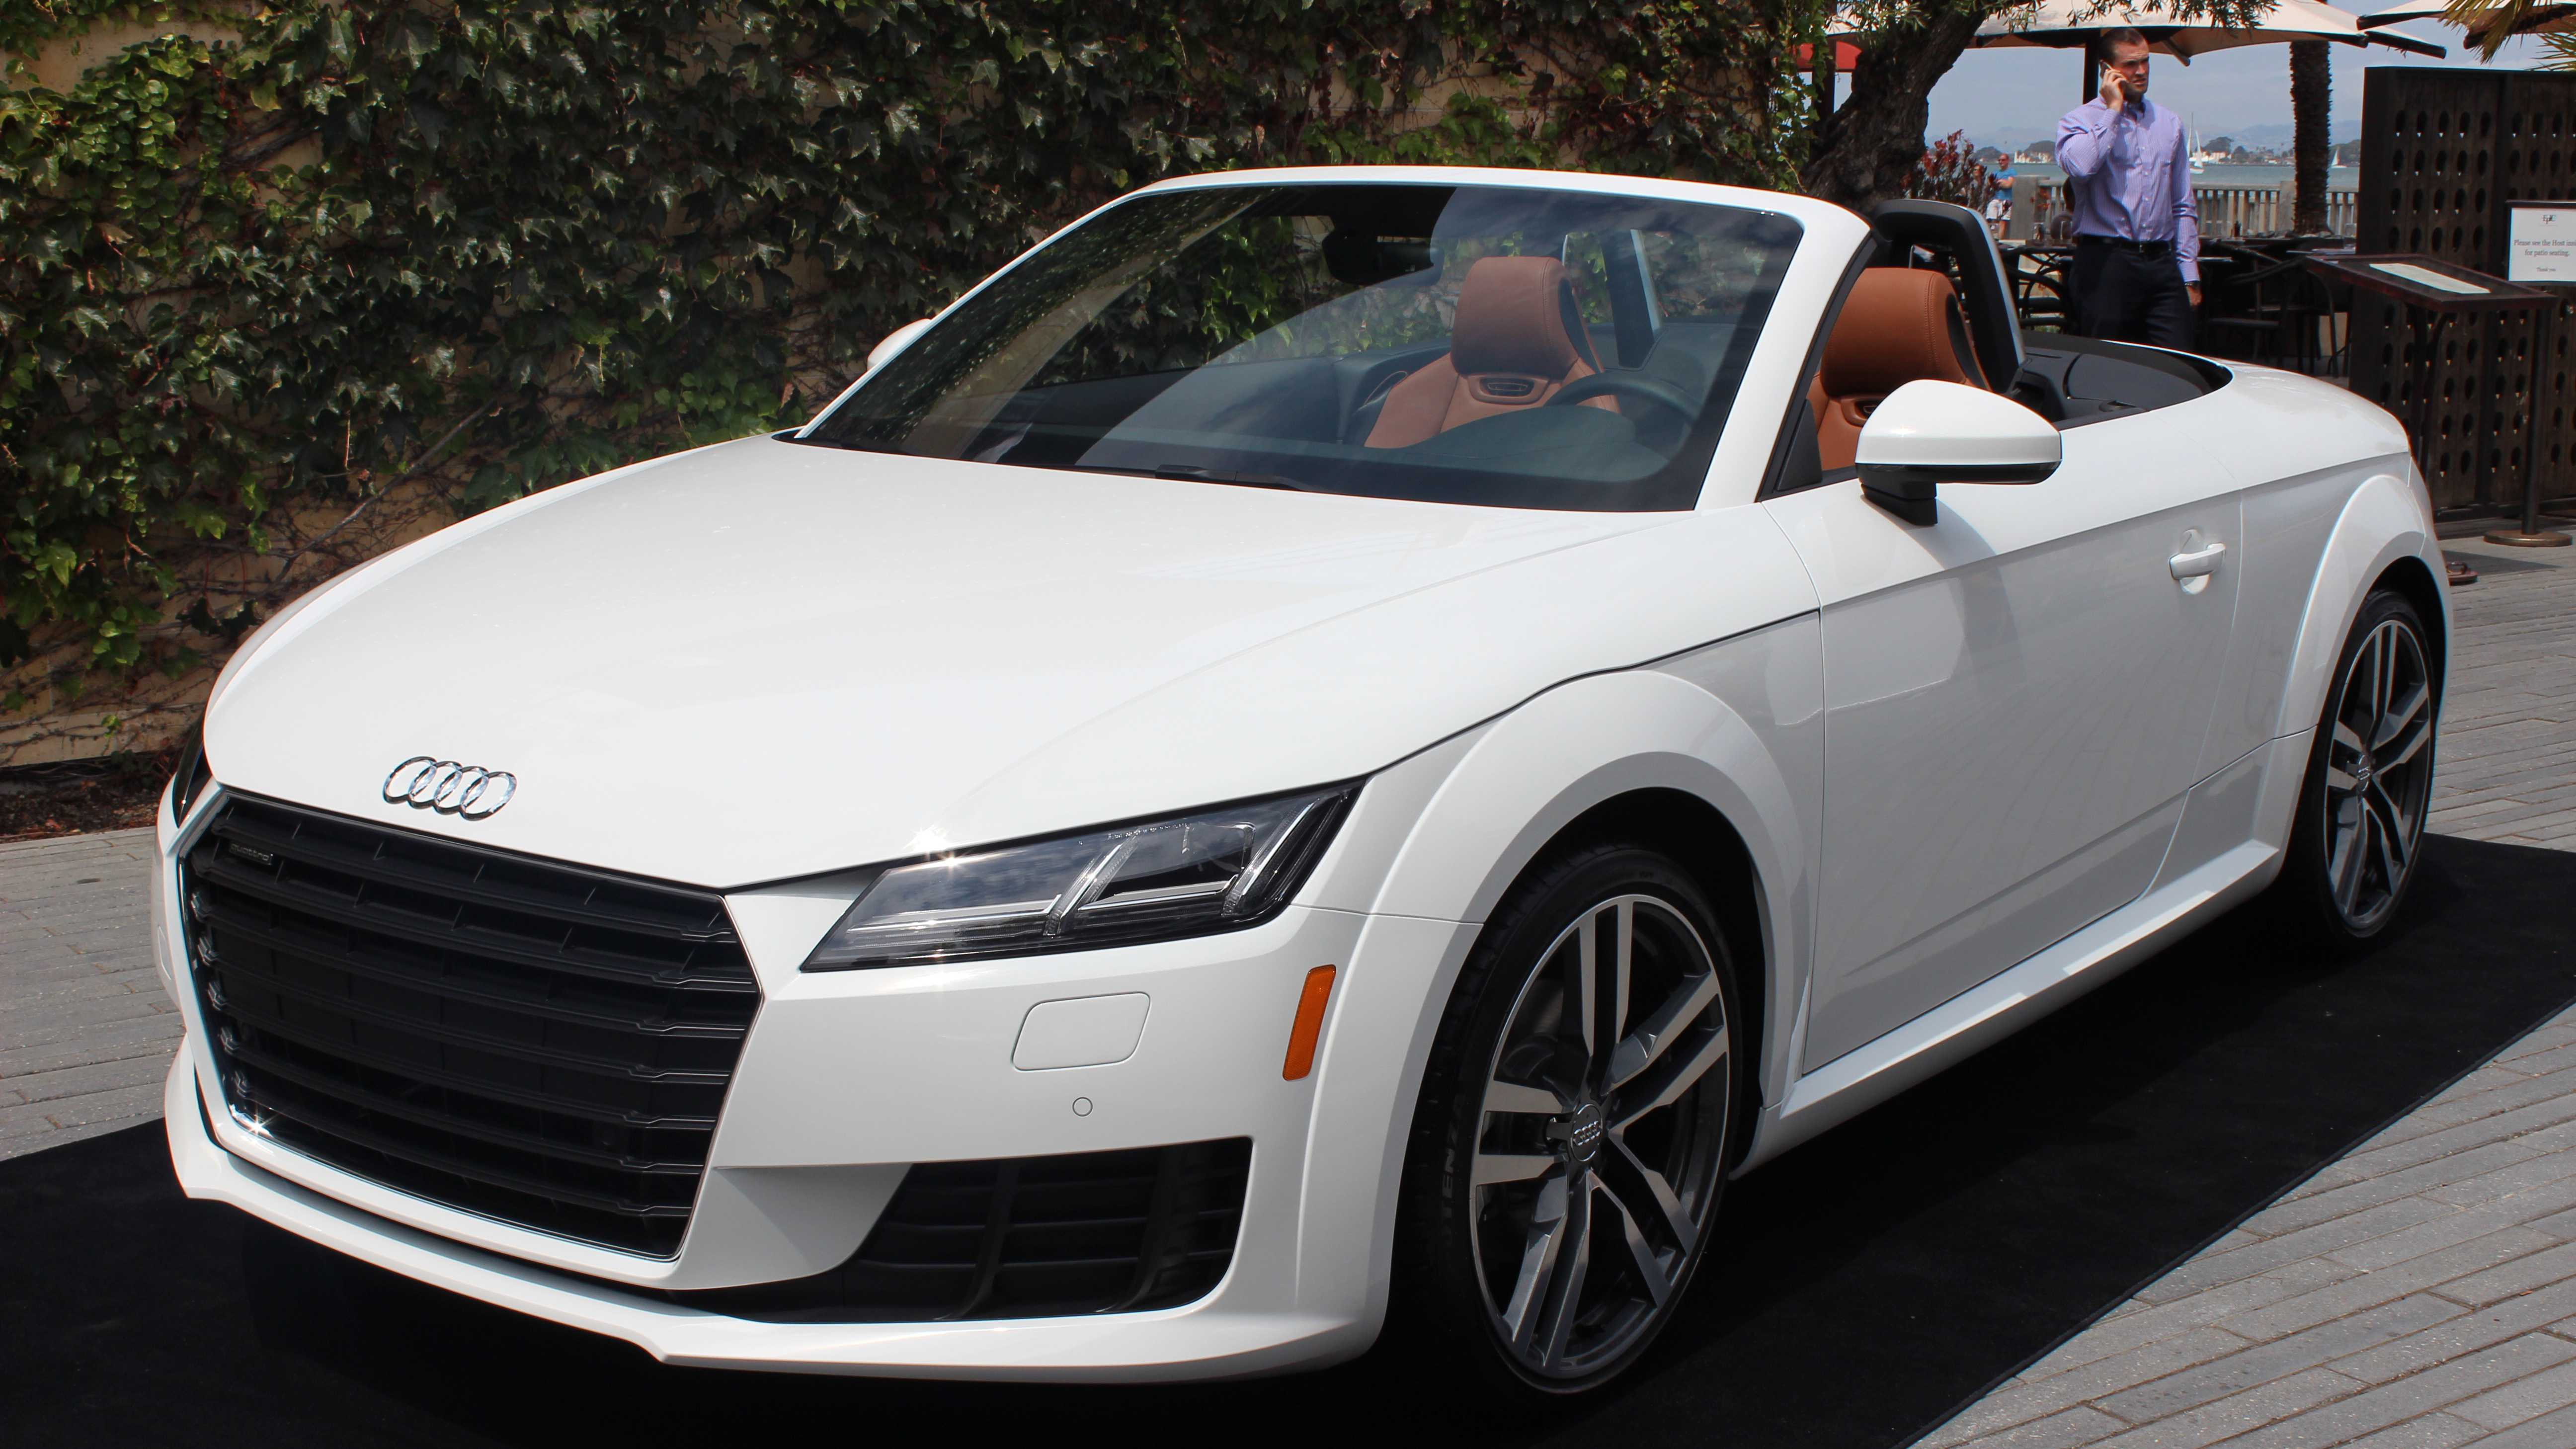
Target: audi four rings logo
[468, 792]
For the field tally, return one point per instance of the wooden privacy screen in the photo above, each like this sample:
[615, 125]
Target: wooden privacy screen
[2442, 151]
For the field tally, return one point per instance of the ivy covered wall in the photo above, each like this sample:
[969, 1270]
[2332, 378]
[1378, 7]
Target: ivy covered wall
[269, 304]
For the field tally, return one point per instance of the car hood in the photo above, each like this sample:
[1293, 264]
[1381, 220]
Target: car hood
[762, 659]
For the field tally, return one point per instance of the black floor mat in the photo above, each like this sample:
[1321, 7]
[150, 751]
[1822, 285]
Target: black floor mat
[1865, 1285]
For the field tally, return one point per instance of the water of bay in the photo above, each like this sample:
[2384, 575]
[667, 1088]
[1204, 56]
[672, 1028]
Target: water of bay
[2340, 178]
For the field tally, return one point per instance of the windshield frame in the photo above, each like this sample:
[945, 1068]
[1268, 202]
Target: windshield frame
[1827, 236]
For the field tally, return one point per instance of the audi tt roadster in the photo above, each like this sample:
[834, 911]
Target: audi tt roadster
[1328, 754]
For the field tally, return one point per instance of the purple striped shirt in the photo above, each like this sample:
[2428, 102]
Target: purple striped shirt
[2129, 176]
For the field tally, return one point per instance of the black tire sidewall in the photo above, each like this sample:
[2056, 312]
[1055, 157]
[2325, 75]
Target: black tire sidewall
[2307, 889]
[1438, 1304]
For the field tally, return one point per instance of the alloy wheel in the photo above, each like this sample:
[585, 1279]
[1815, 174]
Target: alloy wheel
[2378, 775]
[1597, 1151]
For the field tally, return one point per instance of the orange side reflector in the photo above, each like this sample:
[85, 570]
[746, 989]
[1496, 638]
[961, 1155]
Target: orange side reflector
[1310, 1023]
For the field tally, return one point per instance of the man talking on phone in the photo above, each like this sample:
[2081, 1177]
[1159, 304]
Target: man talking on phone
[2128, 182]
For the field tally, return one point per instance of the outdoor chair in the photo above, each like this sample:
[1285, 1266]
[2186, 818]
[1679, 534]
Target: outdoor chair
[2270, 309]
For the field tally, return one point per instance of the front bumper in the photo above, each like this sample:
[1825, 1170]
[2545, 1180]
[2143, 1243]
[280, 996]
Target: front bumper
[1207, 1339]
[849, 1078]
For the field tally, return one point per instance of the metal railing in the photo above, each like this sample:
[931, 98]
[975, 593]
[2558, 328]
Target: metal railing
[2265, 210]
[2225, 211]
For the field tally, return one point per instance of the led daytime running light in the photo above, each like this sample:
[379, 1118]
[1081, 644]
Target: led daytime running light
[1220, 869]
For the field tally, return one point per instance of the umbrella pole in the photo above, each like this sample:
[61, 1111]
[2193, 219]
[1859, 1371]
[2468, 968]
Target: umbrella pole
[1826, 64]
[2092, 76]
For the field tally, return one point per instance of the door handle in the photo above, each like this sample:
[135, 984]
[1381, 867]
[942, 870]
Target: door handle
[2199, 563]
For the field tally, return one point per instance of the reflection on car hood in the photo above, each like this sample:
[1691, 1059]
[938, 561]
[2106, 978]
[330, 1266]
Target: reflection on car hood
[762, 660]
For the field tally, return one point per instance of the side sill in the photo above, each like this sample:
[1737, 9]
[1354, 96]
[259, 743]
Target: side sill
[1861, 1079]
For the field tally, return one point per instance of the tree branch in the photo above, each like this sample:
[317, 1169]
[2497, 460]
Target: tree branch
[427, 456]
[1873, 142]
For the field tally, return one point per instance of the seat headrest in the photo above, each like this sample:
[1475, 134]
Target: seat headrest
[1517, 315]
[1899, 325]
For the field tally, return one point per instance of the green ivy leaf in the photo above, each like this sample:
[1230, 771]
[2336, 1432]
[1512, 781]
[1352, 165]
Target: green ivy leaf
[247, 285]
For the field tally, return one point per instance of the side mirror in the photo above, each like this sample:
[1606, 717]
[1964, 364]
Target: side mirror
[1944, 432]
[896, 341]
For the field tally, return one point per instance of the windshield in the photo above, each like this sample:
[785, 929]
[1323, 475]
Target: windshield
[1489, 345]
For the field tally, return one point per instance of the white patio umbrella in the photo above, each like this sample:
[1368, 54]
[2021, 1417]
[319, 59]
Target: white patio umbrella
[2068, 24]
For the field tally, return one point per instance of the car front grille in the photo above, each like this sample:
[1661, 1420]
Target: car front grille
[528, 1041]
[1027, 1237]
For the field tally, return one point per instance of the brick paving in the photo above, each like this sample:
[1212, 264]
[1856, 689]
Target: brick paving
[2420, 1292]
[2417, 1294]
[86, 1031]
[2508, 744]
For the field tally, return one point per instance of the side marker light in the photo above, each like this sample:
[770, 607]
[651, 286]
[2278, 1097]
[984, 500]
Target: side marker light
[1310, 1023]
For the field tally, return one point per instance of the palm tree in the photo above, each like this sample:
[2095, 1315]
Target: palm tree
[2311, 75]
[2490, 23]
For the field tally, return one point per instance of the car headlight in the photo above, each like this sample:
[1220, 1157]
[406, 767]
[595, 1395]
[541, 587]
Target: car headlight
[192, 776]
[1212, 870]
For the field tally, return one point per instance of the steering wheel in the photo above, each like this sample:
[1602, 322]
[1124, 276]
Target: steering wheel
[1629, 385]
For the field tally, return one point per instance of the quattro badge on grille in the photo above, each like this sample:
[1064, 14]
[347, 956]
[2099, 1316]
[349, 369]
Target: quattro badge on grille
[468, 792]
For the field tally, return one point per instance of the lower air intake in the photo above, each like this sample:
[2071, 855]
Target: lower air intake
[1028, 1237]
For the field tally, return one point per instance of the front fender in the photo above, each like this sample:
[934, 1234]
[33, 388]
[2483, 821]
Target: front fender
[1737, 724]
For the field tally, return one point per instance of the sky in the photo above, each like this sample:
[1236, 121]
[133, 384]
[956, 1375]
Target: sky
[2013, 97]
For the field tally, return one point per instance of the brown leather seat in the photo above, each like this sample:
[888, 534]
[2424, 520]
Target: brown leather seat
[1899, 325]
[1517, 341]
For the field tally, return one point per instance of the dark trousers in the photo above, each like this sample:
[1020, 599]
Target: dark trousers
[2130, 296]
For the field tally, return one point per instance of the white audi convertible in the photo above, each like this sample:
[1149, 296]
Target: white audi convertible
[1328, 754]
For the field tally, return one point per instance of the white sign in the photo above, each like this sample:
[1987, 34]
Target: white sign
[2427, 277]
[2541, 246]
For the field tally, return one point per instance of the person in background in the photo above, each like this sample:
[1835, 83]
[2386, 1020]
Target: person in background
[1999, 205]
[2136, 273]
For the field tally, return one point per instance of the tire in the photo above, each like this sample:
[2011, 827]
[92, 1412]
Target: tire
[2369, 782]
[1601, 1165]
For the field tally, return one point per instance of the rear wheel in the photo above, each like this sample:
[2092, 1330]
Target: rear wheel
[2369, 785]
[1575, 1118]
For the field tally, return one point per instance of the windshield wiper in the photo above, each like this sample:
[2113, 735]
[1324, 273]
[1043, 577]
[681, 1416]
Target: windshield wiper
[1191, 473]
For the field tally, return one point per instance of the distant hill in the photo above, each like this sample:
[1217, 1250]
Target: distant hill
[2253, 138]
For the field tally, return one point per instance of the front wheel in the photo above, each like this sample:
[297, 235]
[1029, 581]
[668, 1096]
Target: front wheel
[2369, 784]
[1576, 1116]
